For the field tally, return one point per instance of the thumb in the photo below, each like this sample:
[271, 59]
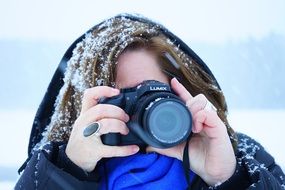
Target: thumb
[174, 152]
[153, 149]
[92, 95]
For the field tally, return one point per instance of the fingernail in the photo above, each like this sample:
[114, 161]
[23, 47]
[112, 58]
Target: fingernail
[115, 91]
[175, 79]
[127, 131]
[127, 117]
[135, 148]
[194, 129]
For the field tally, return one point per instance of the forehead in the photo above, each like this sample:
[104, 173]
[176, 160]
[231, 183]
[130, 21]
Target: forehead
[136, 66]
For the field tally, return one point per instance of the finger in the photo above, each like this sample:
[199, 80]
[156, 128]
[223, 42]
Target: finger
[174, 152]
[113, 126]
[102, 111]
[180, 90]
[209, 122]
[197, 103]
[92, 95]
[119, 151]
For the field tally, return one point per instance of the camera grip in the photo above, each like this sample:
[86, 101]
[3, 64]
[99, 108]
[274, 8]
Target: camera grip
[112, 139]
[115, 100]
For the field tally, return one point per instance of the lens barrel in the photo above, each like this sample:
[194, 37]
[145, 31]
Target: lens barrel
[168, 121]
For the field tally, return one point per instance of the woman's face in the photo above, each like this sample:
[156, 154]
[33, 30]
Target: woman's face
[136, 66]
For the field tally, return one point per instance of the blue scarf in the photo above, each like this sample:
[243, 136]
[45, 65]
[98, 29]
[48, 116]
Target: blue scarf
[143, 171]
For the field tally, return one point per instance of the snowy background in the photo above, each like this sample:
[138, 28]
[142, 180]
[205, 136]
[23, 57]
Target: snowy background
[243, 42]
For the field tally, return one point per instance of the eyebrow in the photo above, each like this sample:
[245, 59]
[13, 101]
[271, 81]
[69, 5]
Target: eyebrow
[129, 86]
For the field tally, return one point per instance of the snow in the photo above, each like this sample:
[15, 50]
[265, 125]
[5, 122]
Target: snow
[265, 126]
[151, 103]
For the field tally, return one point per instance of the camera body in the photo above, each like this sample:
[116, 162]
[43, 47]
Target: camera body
[158, 117]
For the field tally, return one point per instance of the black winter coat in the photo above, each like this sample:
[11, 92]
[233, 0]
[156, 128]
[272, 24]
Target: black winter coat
[51, 169]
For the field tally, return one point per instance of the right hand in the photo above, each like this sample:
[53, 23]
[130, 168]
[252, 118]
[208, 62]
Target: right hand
[85, 152]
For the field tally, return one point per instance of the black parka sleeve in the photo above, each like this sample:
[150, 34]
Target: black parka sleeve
[44, 171]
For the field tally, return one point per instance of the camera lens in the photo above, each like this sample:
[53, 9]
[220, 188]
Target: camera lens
[168, 121]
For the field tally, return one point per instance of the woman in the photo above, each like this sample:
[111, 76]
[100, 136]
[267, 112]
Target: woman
[123, 52]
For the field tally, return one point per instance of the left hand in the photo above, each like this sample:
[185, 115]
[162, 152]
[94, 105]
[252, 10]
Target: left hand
[211, 154]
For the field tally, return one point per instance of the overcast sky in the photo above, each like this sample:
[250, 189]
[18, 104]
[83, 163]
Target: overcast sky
[197, 21]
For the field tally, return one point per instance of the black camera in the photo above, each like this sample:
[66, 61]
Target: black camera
[158, 117]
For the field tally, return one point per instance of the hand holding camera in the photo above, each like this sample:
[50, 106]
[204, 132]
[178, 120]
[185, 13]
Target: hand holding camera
[210, 151]
[85, 152]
